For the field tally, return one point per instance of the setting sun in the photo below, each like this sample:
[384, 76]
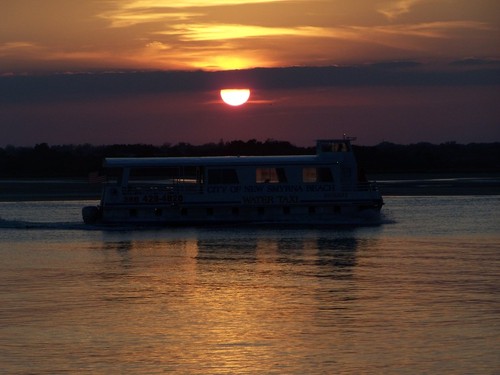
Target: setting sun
[235, 97]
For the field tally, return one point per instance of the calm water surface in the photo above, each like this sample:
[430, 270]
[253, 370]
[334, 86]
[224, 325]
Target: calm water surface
[419, 294]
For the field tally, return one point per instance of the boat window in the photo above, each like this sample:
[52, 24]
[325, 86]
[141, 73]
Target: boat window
[222, 176]
[270, 175]
[186, 174]
[326, 147]
[311, 174]
[335, 147]
[152, 174]
[342, 147]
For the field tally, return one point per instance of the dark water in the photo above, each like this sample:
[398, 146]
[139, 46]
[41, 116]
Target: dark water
[419, 294]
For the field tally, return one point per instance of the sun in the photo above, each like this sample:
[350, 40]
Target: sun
[235, 97]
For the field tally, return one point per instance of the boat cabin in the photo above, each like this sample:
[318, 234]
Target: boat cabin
[237, 188]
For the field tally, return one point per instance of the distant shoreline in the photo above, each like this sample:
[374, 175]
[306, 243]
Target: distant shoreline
[20, 190]
[443, 185]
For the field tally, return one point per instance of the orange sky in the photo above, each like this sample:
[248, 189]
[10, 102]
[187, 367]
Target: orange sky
[80, 35]
[149, 71]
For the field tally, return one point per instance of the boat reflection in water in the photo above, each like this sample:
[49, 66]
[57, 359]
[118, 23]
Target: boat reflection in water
[222, 300]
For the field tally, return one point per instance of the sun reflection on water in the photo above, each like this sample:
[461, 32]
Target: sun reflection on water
[415, 296]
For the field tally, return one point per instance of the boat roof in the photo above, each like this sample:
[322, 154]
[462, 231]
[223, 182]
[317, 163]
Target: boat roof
[321, 157]
[209, 161]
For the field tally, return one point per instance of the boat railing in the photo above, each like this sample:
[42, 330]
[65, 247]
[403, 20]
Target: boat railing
[140, 188]
[367, 186]
[163, 188]
[196, 188]
[188, 188]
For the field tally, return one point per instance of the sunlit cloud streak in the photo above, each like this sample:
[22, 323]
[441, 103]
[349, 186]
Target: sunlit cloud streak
[12, 46]
[231, 34]
[393, 9]
[129, 13]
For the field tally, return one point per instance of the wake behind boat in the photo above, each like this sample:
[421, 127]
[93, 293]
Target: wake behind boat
[325, 188]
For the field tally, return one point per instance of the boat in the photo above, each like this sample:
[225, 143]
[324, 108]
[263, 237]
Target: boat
[325, 188]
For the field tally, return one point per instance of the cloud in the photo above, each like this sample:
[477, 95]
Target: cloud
[185, 3]
[444, 29]
[130, 13]
[233, 34]
[18, 47]
[157, 46]
[128, 18]
[76, 87]
[148, 4]
[395, 9]
[475, 62]
[205, 32]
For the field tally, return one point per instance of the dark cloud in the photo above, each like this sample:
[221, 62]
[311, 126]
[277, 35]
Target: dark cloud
[396, 65]
[473, 62]
[64, 87]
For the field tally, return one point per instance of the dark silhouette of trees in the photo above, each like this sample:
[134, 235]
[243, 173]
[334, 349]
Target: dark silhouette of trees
[76, 161]
[447, 157]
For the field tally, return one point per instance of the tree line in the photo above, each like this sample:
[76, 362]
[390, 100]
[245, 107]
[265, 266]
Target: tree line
[77, 161]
